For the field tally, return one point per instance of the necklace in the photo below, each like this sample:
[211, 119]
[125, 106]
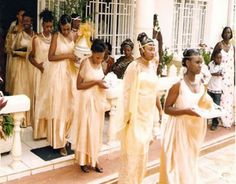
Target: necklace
[47, 39]
[194, 86]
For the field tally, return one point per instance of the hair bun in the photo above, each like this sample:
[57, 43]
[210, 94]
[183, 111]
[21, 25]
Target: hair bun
[141, 36]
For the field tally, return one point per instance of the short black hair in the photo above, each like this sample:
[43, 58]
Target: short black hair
[98, 45]
[224, 30]
[187, 55]
[215, 52]
[109, 47]
[46, 16]
[64, 19]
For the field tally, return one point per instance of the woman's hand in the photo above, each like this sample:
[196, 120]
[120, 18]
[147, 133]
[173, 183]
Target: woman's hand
[102, 84]
[2, 103]
[73, 58]
[40, 67]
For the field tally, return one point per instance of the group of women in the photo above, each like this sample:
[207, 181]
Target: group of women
[49, 81]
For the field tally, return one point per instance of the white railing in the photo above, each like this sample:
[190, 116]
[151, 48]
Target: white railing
[113, 21]
[16, 105]
[188, 24]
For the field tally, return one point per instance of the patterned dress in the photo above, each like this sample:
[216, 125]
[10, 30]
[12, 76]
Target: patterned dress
[227, 99]
[120, 66]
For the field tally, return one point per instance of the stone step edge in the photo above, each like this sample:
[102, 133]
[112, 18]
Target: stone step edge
[153, 166]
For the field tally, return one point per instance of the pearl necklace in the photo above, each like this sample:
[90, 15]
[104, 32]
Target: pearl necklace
[47, 39]
[194, 86]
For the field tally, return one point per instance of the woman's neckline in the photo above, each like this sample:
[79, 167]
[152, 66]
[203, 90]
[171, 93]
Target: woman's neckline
[191, 86]
[226, 47]
[94, 66]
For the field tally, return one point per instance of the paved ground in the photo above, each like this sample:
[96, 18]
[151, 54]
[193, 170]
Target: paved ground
[218, 167]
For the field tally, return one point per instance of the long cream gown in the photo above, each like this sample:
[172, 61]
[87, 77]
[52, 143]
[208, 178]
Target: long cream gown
[227, 98]
[41, 55]
[21, 71]
[140, 92]
[55, 105]
[91, 112]
[11, 34]
[181, 141]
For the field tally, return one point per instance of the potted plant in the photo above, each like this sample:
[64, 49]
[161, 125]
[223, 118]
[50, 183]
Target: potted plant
[6, 132]
[165, 62]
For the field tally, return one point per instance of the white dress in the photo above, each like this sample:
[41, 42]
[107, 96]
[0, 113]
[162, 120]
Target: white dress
[227, 98]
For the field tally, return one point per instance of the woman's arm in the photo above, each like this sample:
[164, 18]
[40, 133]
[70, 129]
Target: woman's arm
[170, 101]
[52, 50]
[81, 85]
[31, 57]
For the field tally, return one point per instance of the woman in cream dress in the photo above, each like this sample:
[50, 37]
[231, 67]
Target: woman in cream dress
[55, 107]
[141, 100]
[184, 132]
[21, 69]
[15, 27]
[228, 62]
[39, 59]
[92, 98]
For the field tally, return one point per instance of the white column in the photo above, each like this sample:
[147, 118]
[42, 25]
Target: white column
[96, 17]
[16, 147]
[114, 27]
[230, 13]
[143, 20]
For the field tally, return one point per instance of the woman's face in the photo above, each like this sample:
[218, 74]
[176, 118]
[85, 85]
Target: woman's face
[98, 57]
[194, 64]
[27, 22]
[127, 51]
[227, 34]
[65, 29]
[75, 24]
[47, 27]
[149, 52]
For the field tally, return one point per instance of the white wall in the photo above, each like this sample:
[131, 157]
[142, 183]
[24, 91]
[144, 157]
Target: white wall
[216, 20]
[143, 20]
[164, 9]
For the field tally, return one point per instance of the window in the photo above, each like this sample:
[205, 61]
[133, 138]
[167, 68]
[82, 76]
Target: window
[113, 21]
[188, 24]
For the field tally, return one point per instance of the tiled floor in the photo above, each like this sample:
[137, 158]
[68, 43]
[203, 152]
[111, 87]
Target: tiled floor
[218, 167]
[110, 162]
[31, 164]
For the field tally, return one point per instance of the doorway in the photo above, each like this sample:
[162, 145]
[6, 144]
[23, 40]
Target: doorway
[8, 10]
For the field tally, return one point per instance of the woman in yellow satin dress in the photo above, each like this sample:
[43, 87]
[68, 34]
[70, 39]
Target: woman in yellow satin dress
[184, 132]
[141, 100]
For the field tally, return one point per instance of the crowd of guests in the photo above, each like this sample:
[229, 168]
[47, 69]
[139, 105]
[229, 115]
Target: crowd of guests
[42, 66]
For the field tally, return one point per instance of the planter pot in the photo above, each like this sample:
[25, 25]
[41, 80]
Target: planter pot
[6, 145]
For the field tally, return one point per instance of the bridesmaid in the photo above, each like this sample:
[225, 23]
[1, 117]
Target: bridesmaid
[15, 27]
[38, 57]
[228, 62]
[184, 131]
[21, 70]
[92, 97]
[60, 96]
[141, 101]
